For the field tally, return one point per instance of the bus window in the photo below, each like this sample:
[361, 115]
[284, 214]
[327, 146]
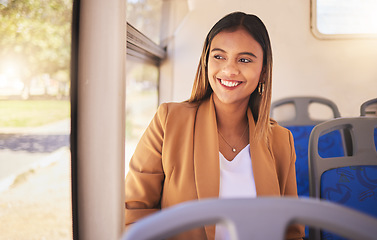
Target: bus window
[145, 15]
[35, 168]
[141, 100]
[344, 18]
[142, 68]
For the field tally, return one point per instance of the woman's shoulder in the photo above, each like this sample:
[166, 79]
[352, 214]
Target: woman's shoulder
[278, 133]
[276, 127]
[177, 109]
[280, 140]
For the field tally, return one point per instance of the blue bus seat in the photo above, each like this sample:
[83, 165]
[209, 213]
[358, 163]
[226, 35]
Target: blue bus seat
[301, 126]
[348, 180]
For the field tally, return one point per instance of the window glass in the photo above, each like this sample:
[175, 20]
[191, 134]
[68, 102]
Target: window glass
[35, 182]
[345, 17]
[145, 15]
[141, 100]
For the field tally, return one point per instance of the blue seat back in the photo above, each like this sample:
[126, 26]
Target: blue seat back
[354, 187]
[331, 145]
[301, 126]
[348, 180]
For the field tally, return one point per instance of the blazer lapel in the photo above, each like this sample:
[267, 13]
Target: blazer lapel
[206, 156]
[264, 170]
[206, 151]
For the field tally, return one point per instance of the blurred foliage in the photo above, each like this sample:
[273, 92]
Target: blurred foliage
[145, 15]
[36, 35]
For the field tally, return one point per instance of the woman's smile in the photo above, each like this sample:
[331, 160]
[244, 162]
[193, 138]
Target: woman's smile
[229, 84]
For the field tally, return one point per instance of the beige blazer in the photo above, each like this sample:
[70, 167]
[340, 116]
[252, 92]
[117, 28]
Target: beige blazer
[177, 160]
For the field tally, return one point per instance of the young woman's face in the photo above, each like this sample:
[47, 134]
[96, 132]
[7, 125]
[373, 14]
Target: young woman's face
[234, 66]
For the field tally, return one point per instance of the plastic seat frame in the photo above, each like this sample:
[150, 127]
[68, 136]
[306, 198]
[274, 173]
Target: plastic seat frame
[301, 105]
[258, 218]
[365, 105]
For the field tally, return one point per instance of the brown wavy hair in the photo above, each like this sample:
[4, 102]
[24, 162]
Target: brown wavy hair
[259, 104]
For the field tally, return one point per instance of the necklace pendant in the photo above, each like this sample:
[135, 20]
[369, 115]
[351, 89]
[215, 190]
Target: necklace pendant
[234, 150]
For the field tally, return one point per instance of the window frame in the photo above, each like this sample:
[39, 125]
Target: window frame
[99, 53]
[140, 46]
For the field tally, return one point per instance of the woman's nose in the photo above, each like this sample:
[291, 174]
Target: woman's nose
[230, 68]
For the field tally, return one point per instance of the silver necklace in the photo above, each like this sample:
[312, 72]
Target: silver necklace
[234, 147]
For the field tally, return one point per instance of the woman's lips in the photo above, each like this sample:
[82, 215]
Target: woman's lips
[229, 83]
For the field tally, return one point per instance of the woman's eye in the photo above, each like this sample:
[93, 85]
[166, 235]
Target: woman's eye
[245, 60]
[218, 57]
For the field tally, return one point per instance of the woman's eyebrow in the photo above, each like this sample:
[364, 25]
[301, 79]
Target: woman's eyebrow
[218, 49]
[241, 53]
[248, 53]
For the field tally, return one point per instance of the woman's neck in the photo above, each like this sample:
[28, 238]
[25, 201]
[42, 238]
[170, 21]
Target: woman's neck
[232, 126]
[231, 117]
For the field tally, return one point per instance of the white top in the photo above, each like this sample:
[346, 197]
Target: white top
[236, 181]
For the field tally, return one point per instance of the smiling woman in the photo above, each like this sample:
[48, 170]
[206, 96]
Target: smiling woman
[222, 131]
[131, 58]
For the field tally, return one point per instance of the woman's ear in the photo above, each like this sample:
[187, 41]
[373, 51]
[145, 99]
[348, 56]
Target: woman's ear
[262, 77]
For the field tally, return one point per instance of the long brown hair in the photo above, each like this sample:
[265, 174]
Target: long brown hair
[259, 103]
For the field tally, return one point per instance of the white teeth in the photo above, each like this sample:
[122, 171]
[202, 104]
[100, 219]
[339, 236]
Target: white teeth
[229, 83]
